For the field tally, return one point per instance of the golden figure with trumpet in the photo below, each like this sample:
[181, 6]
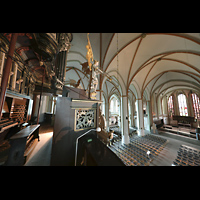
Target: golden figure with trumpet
[89, 55]
[93, 70]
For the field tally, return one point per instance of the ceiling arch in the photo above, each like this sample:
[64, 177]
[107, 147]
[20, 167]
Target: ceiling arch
[143, 61]
[186, 72]
[157, 70]
[169, 83]
[177, 88]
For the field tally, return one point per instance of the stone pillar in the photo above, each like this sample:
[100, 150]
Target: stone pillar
[159, 106]
[155, 102]
[165, 110]
[124, 117]
[149, 117]
[190, 105]
[107, 115]
[132, 113]
[140, 117]
[176, 106]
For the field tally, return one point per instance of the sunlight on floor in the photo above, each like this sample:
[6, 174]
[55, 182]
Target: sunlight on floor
[41, 155]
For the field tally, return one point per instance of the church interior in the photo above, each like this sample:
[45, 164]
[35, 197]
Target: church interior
[99, 99]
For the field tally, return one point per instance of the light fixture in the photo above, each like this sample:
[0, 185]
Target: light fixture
[98, 129]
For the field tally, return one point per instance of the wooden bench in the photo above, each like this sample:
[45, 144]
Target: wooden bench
[22, 144]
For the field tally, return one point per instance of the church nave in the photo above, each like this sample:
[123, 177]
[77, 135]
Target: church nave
[99, 99]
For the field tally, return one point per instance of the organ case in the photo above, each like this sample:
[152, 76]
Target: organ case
[73, 118]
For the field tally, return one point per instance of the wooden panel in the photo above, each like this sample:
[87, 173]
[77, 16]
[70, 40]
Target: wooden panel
[63, 129]
[64, 136]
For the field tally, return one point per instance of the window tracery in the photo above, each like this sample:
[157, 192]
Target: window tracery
[182, 105]
[196, 106]
[170, 106]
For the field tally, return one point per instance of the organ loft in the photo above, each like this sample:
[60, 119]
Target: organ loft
[99, 99]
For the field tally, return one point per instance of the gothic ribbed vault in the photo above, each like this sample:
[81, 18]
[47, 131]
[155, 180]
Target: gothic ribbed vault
[152, 62]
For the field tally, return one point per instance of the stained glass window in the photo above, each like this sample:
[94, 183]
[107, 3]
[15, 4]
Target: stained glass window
[196, 105]
[170, 106]
[182, 105]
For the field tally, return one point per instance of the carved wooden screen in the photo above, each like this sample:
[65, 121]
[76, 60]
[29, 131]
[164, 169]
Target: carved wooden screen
[85, 119]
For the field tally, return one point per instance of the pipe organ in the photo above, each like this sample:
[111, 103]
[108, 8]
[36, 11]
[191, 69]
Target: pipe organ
[73, 118]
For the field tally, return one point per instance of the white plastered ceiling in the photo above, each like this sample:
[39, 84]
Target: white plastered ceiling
[150, 62]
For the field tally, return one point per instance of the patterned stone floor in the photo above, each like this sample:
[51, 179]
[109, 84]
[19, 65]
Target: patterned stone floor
[141, 151]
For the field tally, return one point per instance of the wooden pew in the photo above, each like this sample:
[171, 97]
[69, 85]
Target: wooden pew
[22, 144]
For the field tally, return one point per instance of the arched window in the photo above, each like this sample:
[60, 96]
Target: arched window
[196, 105]
[170, 106]
[182, 105]
[114, 105]
[114, 110]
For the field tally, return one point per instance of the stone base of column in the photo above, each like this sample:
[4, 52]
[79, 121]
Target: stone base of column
[141, 132]
[125, 139]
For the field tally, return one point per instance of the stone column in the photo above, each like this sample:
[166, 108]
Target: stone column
[124, 117]
[132, 113]
[190, 105]
[149, 117]
[159, 106]
[140, 117]
[165, 110]
[155, 101]
[176, 106]
[107, 115]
